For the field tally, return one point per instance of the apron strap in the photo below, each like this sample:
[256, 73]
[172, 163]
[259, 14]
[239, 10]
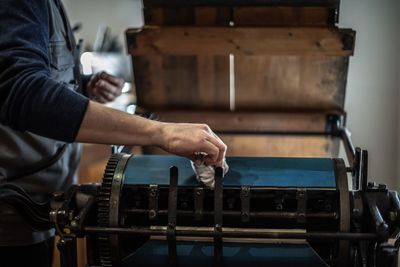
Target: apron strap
[41, 165]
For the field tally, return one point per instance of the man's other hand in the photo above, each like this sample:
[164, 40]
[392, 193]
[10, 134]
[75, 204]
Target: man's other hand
[189, 140]
[104, 87]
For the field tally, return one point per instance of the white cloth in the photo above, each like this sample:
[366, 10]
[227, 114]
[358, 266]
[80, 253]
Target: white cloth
[205, 174]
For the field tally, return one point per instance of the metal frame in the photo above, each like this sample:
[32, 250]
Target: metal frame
[172, 204]
[342, 185]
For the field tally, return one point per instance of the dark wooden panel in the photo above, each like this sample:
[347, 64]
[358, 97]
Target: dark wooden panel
[273, 146]
[283, 16]
[244, 41]
[200, 16]
[290, 83]
[186, 3]
[180, 82]
[213, 83]
[149, 83]
[240, 16]
[252, 122]
[280, 146]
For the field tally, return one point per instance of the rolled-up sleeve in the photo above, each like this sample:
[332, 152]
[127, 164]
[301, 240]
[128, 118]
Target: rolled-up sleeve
[30, 100]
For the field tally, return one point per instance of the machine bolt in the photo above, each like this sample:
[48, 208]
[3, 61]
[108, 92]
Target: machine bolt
[152, 214]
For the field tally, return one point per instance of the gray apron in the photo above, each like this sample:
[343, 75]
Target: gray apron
[21, 153]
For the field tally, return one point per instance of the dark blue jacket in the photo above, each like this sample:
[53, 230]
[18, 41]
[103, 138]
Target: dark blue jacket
[30, 100]
[40, 108]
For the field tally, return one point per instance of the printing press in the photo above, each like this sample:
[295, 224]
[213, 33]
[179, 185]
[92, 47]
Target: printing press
[264, 212]
[297, 192]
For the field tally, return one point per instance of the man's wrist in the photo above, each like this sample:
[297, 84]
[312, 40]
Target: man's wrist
[156, 133]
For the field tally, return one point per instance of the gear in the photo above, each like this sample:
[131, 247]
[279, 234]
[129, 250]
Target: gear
[103, 214]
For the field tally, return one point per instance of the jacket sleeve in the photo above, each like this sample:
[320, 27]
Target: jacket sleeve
[30, 100]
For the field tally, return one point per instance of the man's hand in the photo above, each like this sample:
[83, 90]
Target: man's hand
[190, 140]
[104, 87]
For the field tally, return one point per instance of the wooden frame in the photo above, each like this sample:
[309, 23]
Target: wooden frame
[239, 16]
[241, 41]
[174, 3]
[251, 122]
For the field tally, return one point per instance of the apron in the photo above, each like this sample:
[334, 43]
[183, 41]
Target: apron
[37, 164]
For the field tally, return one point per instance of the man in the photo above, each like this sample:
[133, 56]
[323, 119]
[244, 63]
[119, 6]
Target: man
[44, 110]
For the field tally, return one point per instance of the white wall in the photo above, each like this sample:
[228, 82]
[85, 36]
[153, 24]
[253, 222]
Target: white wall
[118, 14]
[373, 83]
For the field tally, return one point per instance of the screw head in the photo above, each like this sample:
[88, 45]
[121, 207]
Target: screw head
[152, 214]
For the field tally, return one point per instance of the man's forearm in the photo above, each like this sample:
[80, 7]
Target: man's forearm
[104, 125]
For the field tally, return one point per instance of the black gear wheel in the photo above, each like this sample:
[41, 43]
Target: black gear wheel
[103, 214]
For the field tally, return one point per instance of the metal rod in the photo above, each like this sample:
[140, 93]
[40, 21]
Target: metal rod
[348, 145]
[381, 227]
[218, 217]
[394, 199]
[364, 170]
[231, 232]
[172, 203]
[257, 214]
[357, 169]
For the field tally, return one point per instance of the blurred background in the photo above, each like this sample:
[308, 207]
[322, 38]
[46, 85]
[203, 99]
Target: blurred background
[373, 89]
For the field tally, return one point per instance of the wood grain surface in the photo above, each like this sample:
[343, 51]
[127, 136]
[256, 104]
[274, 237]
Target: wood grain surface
[243, 41]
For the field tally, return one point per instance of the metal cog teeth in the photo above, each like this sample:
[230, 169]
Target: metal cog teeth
[103, 211]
